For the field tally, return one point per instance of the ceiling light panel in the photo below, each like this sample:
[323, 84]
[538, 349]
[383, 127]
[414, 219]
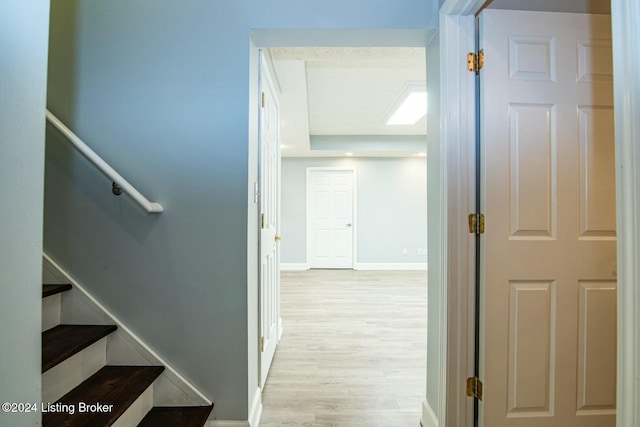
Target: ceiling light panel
[410, 106]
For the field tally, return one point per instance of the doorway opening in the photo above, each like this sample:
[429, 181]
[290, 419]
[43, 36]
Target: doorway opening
[334, 142]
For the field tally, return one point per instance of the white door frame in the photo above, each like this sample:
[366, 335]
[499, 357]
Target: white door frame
[265, 38]
[457, 86]
[458, 128]
[625, 16]
[354, 200]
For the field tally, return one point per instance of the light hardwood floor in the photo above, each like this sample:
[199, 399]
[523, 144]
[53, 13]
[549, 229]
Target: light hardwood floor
[353, 351]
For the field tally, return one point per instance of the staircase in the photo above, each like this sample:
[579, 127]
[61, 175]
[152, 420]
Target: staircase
[79, 389]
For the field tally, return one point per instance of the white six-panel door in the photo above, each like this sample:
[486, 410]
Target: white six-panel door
[549, 286]
[270, 220]
[330, 218]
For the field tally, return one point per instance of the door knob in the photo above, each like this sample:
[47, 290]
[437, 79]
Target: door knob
[278, 238]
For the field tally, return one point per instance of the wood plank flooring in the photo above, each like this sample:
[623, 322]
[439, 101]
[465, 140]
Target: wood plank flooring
[353, 352]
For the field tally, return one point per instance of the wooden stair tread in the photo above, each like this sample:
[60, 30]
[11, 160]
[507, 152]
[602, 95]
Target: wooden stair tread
[63, 341]
[119, 386]
[48, 290]
[181, 416]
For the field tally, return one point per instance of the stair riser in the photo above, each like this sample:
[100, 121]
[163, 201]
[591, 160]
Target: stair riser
[125, 348]
[60, 379]
[137, 410]
[51, 311]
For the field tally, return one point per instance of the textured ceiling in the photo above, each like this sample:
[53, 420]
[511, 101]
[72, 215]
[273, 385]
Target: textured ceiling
[346, 91]
[349, 54]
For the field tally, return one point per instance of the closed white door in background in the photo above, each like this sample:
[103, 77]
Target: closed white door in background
[549, 291]
[330, 226]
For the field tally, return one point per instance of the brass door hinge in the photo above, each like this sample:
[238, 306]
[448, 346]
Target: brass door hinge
[474, 388]
[476, 223]
[262, 345]
[262, 222]
[262, 99]
[475, 61]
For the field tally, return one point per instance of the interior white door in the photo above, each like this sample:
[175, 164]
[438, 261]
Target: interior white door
[331, 226]
[548, 342]
[270, 221]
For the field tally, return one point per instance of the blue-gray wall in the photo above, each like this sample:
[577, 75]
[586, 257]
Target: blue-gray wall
[161, 90]
[23, 73]
[391, 208]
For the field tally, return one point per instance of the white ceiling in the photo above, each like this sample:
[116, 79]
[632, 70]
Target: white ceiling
[342, 96]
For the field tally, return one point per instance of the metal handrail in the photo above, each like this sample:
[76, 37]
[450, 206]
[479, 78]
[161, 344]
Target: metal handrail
[108, 171]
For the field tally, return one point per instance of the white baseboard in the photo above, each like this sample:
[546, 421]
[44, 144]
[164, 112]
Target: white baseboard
[391, 266]
[221, 423]
[429, 418]
[294, 266]
[124, 347]
[256, 408]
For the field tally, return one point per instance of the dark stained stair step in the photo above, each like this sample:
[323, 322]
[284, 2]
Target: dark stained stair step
[48, 290]
[181, 416]
[119, 386]
[63, 341]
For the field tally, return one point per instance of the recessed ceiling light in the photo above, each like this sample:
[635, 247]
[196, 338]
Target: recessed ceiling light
[348, 154]
[410, 106]
[421, 154]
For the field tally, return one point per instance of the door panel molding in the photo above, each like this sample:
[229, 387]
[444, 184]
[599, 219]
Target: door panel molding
[308, 201]
[531, 158]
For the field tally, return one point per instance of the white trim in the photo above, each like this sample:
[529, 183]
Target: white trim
[256, 408]
[354, 212]
[457, 33]
[428, 419]
[222, 423]
[132, 339]
[391, 266]
[625, 17]
[108, 171]
[461, 7]
[294, 266]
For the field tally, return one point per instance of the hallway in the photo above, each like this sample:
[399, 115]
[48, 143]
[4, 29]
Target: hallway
[353, 351]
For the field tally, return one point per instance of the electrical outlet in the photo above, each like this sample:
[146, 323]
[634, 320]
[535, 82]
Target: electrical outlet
[422, 251]
[405, 251]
